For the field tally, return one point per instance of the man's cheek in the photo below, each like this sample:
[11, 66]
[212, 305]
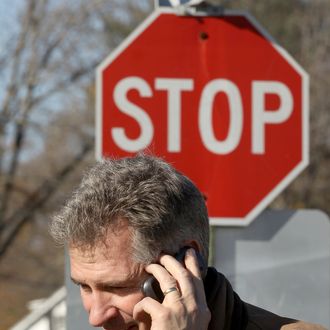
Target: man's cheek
[133, 300]
[86, 302]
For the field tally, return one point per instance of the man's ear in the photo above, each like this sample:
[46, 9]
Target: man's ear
[202, 262]
[194, 244]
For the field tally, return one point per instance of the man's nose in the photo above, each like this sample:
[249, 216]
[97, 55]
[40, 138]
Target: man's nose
[101, 312]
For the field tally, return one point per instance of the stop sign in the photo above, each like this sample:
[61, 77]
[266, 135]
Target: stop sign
[214, 96]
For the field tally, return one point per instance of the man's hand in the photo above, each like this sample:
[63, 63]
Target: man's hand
[184, 308]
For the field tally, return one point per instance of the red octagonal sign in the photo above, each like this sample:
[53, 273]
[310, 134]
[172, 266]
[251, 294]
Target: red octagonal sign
[216, 97]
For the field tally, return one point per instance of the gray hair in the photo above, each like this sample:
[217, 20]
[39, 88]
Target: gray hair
[162, 207]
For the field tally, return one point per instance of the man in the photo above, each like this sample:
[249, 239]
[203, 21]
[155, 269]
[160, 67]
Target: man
[126, 222]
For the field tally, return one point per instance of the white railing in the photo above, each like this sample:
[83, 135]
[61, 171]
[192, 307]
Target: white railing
[49, 315]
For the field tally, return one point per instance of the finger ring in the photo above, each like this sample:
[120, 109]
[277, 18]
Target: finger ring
[173, 288]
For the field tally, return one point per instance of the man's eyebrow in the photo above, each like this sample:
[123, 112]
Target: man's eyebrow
[113, 284]
[105, 284]
[76, 281]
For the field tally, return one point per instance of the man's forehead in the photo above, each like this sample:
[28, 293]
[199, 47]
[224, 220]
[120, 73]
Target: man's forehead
[117, 237]
[103, 268]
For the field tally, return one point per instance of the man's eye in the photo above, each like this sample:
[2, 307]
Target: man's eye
[114, 288]
[121, 290]
[85, 288]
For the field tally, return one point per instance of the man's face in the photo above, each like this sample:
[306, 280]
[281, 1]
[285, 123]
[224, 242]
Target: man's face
[109, 281]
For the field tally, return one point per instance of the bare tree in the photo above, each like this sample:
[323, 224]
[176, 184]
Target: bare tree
[29, 66]
[52, 61]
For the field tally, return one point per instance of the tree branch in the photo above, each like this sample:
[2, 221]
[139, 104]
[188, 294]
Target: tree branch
[39, 198]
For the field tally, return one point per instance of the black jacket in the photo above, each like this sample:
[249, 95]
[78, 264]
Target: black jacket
[229, 312]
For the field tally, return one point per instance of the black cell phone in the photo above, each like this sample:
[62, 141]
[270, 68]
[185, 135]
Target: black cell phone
[151, 287]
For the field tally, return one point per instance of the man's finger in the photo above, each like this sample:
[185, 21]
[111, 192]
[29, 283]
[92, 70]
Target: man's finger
[143, 311]
[168, 283]
[192, 264]
[180, 273]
